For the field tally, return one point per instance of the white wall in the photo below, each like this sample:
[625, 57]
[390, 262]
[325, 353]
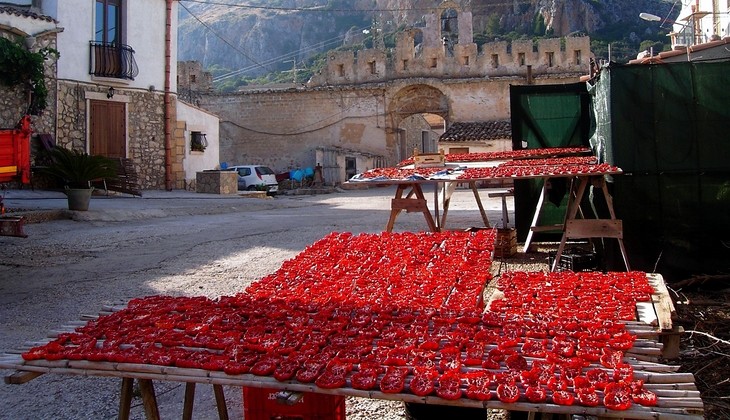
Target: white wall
[198, 120]
[144, 31]
[706, 22]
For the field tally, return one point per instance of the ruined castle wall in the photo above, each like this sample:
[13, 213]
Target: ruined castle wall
[496, 59]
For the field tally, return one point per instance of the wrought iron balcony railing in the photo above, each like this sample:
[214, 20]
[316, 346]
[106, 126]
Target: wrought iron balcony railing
[112, 60]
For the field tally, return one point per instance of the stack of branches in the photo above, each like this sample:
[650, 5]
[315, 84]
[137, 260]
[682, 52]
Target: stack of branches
[703, 309]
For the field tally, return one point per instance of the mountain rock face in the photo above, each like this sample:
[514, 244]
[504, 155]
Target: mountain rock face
[260, 36]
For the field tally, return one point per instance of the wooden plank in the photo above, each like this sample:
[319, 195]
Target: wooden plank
[594, 228]
[662, 301]
[21, 377]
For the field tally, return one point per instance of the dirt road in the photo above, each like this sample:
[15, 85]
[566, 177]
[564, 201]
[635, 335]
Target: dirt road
[66, 268]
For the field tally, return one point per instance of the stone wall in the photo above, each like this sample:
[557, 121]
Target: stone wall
[14, 100]
[145, 127]
[284, 129]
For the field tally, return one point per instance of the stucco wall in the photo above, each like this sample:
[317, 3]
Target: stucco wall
[194, 119]
[144, 31]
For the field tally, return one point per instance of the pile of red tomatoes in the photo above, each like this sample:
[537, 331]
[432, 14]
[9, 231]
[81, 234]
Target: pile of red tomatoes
[508, 154]
[536, 169]
[379, 312]
[398, 270]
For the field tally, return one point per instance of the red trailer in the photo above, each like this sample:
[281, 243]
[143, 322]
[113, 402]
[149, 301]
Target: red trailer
[15, 152]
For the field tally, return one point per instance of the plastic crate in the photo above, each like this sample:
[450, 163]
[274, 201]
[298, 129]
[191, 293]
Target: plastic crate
[262, 404]
[575, 259]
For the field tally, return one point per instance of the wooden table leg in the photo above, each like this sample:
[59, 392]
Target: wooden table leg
[125, 398]
[220, 402]
[536, 216]
[474, 190]
[609, 204]
[149, 401]
[573, 206]
[394, 212]
[189, 400]
[426, 213]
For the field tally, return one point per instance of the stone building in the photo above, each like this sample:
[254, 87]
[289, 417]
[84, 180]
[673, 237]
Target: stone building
[112, 91]
[354, 115]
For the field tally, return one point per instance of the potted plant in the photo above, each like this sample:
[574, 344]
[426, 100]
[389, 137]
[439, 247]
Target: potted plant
[76, 170]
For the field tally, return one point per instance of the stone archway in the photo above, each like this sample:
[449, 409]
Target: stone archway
[408, 101]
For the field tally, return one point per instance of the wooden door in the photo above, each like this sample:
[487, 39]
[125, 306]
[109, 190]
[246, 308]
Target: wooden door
[107, 129]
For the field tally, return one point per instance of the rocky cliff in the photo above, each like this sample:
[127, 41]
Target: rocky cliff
[260, 36]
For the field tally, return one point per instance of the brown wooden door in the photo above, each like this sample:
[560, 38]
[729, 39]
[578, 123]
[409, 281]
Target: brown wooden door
[107, 129]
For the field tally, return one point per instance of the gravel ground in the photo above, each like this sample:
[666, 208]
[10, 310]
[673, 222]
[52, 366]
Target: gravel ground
[177, 245]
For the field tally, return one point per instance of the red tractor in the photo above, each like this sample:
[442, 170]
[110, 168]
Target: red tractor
[14, 166]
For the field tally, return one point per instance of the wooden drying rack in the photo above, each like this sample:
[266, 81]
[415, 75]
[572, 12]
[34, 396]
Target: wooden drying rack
[678, 395]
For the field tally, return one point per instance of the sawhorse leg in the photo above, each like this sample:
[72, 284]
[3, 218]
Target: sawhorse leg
[410, 204]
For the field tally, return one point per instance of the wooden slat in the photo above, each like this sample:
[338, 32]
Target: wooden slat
[594, 228]
[21, 377]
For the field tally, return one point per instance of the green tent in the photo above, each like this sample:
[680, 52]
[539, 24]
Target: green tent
[668, 127]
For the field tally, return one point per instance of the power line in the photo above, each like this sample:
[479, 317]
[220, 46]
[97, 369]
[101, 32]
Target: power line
[321, 44]
[223, 39]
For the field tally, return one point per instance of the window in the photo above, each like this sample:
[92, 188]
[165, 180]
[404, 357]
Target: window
[434, 62]
[426, 143]
[108, 21]
[198, 142]
[466, 60]
[521, 59]
[405, 64]
[372, 67]
[341, 70]
[495, 61]
[192, 78]
[576, 55]
[549, 58]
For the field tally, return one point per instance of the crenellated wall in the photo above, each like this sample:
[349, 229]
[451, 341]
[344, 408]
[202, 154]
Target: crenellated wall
[495, 59]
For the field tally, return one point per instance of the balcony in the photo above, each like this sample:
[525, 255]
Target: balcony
[112, 60]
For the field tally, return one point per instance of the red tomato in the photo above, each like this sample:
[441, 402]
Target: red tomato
[611, 358]
[286, 370]
[516, 361]
[623, 372]
[394, 380]
[477, 386]
[265, 366]
[562, 397]
[598, 378]
[449, 386]
[534, 348]
[422, 383]
[617, 400]
[644, 397]
[587, 397]
[535, 394]
[508, 393]
[364, 380]
[309, 370]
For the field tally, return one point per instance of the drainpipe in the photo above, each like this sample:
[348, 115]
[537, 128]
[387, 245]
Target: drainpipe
[167, 109]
